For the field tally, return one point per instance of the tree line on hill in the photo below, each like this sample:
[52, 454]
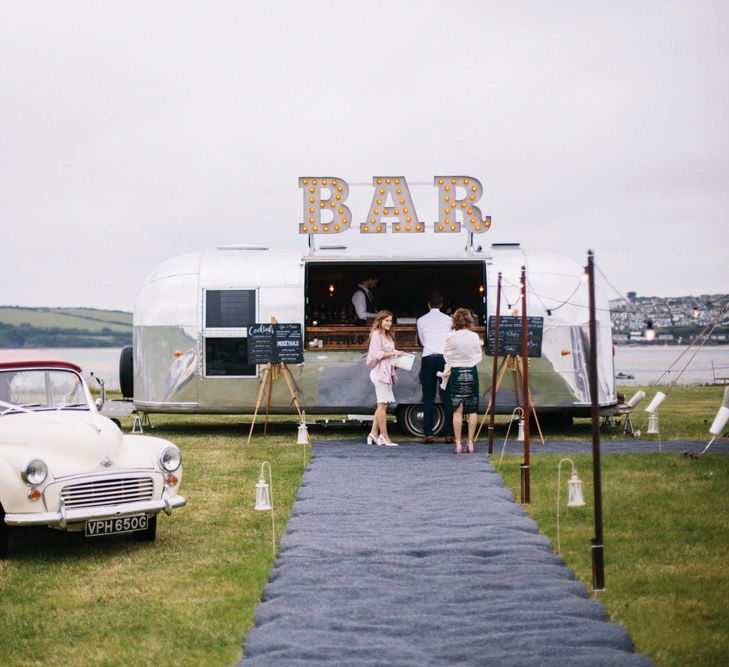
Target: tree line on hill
[25, 335]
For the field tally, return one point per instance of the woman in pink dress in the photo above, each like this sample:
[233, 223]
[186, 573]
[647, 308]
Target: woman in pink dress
[380, 360]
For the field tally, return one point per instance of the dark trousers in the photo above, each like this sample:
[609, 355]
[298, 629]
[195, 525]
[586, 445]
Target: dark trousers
[429, 366]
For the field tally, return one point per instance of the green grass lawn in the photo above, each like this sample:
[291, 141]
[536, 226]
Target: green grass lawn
[190, 598]
[187, 599]
[666, 536]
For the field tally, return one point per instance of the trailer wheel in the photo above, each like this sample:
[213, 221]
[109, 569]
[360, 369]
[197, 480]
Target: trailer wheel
[410, 419]
[126, 372]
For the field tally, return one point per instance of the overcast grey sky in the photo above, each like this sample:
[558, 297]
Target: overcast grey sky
[134, 131]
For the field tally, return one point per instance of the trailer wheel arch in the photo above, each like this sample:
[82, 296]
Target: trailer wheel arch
[410, 419]
[126, 372]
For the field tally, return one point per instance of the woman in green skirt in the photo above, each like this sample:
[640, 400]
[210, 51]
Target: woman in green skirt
[462, 354]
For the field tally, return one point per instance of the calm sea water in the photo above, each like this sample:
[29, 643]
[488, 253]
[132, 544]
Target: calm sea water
[645, 363]
[649, 363]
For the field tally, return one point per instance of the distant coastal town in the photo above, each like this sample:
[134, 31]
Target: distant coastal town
[676, 320]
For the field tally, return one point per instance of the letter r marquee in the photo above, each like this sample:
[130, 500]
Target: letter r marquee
[457, 198]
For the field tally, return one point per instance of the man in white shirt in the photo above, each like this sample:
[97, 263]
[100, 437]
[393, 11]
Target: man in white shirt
[433, 328]
[363, 301]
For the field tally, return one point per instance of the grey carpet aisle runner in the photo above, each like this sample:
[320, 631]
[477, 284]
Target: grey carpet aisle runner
[415, 556]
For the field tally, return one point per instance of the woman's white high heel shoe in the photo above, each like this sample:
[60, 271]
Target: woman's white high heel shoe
[372, 440]
[381, 441]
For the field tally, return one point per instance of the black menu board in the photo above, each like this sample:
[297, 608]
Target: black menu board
[510, 342]
[289, 343]
[275, 343]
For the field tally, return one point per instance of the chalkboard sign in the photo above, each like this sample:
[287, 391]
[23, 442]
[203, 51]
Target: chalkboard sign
[289, 343]
[275, 343]
[510, 342]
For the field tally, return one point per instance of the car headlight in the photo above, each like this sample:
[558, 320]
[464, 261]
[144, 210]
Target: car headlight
[34, 472]
[170, 459]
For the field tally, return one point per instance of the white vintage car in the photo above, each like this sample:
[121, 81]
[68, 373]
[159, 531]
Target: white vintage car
[64, 465]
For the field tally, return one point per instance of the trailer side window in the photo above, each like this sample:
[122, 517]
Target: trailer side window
[233, 308]
[227, 356]
[226, 350]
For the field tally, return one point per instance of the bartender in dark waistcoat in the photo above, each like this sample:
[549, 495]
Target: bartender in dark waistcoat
[363, 301]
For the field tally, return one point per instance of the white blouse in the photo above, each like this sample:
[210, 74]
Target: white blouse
[462, 350]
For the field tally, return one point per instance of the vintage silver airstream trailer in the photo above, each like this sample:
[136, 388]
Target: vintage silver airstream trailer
[191, 317]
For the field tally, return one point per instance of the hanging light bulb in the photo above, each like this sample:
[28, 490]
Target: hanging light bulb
[574, 496]
[650, 332]
[696, 312]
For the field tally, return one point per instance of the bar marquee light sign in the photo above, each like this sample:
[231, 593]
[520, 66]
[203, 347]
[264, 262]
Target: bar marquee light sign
[325, 211]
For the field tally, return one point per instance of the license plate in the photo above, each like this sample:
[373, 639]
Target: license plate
[123, 524]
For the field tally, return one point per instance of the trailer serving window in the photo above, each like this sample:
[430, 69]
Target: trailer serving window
[403, 288]
[227, 315]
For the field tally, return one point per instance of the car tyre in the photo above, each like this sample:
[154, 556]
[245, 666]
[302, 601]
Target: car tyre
[4, 534]
[126, 372]
[148, 534]
[410, 419]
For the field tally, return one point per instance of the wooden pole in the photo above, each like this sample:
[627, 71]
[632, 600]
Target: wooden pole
[492, 403]
[271, 378]
[264, 378]
[525, 481]
[292, 388]
[503, 367]
[598, 560]
[533, 407]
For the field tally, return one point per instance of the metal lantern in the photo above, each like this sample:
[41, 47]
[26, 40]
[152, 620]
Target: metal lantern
[575, 497]
[652, 424]
[302, 437]
[263, 500]
[520, 435]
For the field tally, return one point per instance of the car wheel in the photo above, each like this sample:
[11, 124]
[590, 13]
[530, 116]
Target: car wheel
[4, 533]
[410, 419]
[126, 372]
[149, 533]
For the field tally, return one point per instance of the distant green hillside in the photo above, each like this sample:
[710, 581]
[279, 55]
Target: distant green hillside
[64, 327]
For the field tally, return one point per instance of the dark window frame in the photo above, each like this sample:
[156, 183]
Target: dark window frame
[223, 330]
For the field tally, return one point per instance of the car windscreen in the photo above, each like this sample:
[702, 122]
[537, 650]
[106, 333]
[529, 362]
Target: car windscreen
[41, 389]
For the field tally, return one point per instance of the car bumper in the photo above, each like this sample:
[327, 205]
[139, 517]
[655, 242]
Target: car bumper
[64, 516]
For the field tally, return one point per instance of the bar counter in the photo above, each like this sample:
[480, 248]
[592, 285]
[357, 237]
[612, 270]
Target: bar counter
[350, 337]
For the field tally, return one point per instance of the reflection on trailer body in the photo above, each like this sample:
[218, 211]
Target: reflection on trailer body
[192, 313]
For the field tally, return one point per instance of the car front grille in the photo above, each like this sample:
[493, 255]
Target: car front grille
[108, 492]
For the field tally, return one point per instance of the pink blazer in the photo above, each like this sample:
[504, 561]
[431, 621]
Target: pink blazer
[384, 367]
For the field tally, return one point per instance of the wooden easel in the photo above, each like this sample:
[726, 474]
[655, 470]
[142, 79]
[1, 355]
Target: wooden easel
[270, 373]
[513, 363]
